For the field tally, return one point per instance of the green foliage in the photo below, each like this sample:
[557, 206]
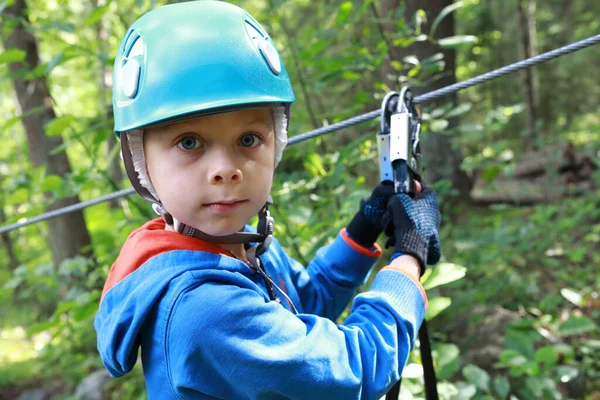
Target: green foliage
[540, 261]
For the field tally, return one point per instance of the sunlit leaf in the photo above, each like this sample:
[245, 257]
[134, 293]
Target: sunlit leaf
[445, 11]
[58, 125]
[412, 370]
[572, 296]
[51, 183]
[12, 56]
[466, 391]
[566, 373]
[314, 164]
[397, 65]
[97, 14]
[438, 125]
[18, 196]
[344, 12]
[436, 306]
[442, 274]
[457, 41]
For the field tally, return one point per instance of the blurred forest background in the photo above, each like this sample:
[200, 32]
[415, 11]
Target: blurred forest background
[514, 308]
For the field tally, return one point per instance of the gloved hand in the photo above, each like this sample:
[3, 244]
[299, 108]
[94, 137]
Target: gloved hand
[366, 225]
[413, 224]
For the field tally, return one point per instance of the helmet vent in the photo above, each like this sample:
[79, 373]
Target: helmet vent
[130, 73]
[253, 31]
[263, 43]
[137, 49]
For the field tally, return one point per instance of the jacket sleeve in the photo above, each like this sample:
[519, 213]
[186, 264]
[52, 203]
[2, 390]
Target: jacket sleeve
[224, 340]
[329, 282]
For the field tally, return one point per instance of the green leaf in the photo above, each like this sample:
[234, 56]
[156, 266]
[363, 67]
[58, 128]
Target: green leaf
[397, 65]
[65, 306]
[12, 56]
[576, 326]
[512, 358]
[314, 164]
[58, 125]
[344, 12]
[97, 14]
[447, 360]
[436, 306]
[546, 355]
[351, 75]
[477, 376]
[502, 386]
[84, 312]
[43, 326]
[457, 41]
[572, 296]
[445, 11]
[491, 173]
[51, 183]
[18, 197]
[442, 274]
[438, 125]
[466, 391]
[10, 122]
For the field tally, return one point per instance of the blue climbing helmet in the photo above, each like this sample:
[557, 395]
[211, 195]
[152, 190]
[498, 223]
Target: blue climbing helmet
[191, 59]
[194, 58]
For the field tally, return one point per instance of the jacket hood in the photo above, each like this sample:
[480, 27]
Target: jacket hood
[136, 282]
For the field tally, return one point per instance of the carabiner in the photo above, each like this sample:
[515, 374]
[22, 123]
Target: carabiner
[398, 142]
[405, 147]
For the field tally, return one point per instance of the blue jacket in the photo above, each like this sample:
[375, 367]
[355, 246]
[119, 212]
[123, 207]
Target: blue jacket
[207, 329]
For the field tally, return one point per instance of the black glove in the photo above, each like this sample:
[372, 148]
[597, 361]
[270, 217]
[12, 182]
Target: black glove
[413, 225]
[366, 225]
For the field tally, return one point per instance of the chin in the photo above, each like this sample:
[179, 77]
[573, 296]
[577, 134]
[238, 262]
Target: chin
[222, 228]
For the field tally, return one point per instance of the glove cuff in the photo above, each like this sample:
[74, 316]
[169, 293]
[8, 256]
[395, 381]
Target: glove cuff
[409, 242]
[362, 231]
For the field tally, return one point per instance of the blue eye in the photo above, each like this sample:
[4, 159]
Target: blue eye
[189, 143]
[249, 140]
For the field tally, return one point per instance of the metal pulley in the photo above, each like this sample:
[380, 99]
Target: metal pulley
[398, 141]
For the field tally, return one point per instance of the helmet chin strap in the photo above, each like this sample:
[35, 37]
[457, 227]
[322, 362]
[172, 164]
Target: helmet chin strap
[263, 235]
[264, 231]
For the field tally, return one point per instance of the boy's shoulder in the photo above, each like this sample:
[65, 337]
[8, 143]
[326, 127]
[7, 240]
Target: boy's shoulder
[149, 241]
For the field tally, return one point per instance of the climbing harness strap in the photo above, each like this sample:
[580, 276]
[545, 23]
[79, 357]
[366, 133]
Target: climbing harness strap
[398, 145]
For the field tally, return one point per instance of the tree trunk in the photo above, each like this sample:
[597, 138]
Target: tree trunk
[442, 161]
[68, 235]
[13, 261]
[115, 172]
[527, 30]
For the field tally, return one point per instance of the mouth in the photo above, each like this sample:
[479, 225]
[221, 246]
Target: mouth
[225, 206]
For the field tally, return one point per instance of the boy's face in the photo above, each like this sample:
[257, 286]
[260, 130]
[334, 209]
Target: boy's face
[215, 172]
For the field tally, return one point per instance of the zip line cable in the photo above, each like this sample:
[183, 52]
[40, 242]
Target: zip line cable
[529, 62]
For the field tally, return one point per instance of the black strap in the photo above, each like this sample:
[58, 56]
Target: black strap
[431, 392]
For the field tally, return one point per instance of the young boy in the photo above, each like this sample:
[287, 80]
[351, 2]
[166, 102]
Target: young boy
[220, 311]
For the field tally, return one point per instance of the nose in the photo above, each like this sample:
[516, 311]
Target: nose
[224, 170]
